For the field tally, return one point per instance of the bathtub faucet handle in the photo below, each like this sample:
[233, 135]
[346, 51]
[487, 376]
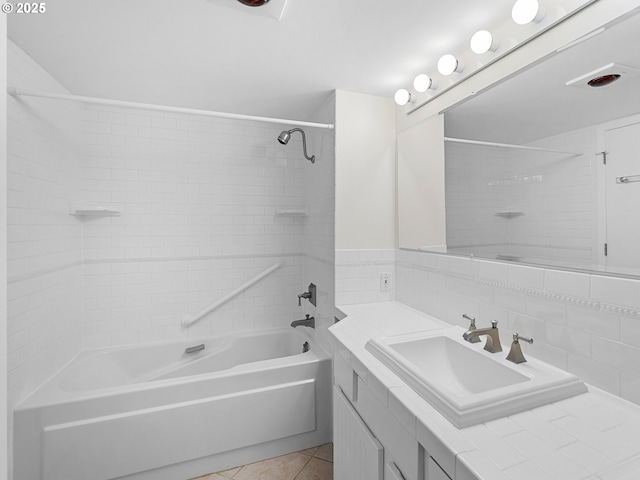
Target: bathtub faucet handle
[309, 295]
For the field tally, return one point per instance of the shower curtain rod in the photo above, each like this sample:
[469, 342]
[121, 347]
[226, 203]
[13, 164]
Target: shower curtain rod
[15, 92]
[508, 145]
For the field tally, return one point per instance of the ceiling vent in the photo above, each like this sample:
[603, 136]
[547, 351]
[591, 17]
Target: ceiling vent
[605, 75]
[268, 8]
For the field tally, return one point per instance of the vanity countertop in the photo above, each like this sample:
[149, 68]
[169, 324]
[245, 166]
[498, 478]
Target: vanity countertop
[592, 436]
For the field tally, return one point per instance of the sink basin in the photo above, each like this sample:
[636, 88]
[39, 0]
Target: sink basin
[467, 384]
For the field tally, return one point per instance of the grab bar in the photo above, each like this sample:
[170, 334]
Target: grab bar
[187, 322]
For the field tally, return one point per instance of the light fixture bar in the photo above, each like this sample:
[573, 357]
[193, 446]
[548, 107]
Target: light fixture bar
[16, 92]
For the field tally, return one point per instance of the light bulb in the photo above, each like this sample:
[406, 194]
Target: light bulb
[527, 11]
[422, 83]
[448, 64]
[402, 96]
[482, 42]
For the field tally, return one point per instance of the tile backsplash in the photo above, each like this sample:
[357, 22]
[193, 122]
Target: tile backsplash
[583, 323]
[587, 324]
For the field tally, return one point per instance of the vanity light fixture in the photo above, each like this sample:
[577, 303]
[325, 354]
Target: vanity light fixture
[482, 42]
[422, 83]
[449, 64]
[402, 96]
[527, 11]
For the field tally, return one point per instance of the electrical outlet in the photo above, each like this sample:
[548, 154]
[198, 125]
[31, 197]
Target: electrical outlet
[385, 282]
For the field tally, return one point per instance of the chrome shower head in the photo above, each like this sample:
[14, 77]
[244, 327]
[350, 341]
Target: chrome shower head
[285, 136]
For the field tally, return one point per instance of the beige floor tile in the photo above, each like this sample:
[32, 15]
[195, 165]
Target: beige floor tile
[316, 469]
[310, 451]
[325, 452]
[230, 473]
[285, 467]
[211, 476]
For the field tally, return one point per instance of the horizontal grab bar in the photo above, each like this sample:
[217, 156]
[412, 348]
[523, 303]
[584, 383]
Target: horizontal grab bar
[628, 179]
[187, 322]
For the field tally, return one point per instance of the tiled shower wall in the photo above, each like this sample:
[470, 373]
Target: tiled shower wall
[199, 199]
[524, 203]
[44, 248]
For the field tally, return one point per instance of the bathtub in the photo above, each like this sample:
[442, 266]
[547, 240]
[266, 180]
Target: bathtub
[157, 412]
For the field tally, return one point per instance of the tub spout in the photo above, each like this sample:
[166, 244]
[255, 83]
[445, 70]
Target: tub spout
[305, 322]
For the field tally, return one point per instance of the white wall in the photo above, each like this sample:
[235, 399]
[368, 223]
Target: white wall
[365, 171]
[4, 441]
[44, 244]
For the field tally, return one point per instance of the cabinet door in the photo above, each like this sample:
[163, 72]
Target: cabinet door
[435, 472]
[357, 453]
[391, 472]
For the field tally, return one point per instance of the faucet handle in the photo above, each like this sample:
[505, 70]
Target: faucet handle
[472, 326]
[494, 323]
[472, 321]
[517, 337]
[515, 353]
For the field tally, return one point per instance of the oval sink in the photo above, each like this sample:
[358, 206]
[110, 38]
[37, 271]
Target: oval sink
[467, 384]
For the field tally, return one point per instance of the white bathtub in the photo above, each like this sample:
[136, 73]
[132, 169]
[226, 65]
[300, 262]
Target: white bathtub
[155, 412]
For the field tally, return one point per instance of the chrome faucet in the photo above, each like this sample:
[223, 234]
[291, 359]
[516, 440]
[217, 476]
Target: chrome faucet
[515, 354]
[493, 337]
[305, 322]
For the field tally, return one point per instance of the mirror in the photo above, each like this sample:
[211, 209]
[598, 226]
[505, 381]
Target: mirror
[524, 181]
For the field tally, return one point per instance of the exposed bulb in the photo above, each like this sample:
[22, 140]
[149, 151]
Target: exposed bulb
[402, 96]
[527, 11]
[482, 42]
[422, 83]
[449, 64]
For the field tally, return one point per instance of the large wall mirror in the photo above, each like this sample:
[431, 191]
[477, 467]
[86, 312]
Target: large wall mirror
[525, 176]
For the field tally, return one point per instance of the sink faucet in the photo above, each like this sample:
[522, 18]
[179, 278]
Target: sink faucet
[493, 337]
[305, 322]
[515, 354]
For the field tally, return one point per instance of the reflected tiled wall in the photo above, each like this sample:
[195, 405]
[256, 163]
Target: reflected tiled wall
[524, 203]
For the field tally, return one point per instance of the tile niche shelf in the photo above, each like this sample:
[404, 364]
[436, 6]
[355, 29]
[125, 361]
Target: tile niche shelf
[85, 209]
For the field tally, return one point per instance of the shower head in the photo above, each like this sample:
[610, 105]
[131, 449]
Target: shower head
[285, 136]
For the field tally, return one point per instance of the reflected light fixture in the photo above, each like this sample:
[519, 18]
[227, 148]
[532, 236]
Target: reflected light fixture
[482, 42]
[402, 96]
[527, 11]
[449, 64]
[422, 83]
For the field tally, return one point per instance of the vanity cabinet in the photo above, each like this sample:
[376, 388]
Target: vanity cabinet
[369, 438]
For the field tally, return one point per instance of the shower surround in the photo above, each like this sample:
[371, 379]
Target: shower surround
[198, 200]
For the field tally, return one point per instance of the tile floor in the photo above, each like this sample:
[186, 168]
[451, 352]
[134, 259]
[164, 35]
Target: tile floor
[311, 464]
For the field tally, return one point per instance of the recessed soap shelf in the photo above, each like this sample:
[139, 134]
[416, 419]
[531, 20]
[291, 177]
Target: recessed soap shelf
[93, 210]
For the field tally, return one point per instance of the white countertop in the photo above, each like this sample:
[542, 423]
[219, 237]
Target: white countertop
[593, 436]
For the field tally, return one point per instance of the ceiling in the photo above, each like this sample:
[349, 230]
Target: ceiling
[202, 54]
[536, 103]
